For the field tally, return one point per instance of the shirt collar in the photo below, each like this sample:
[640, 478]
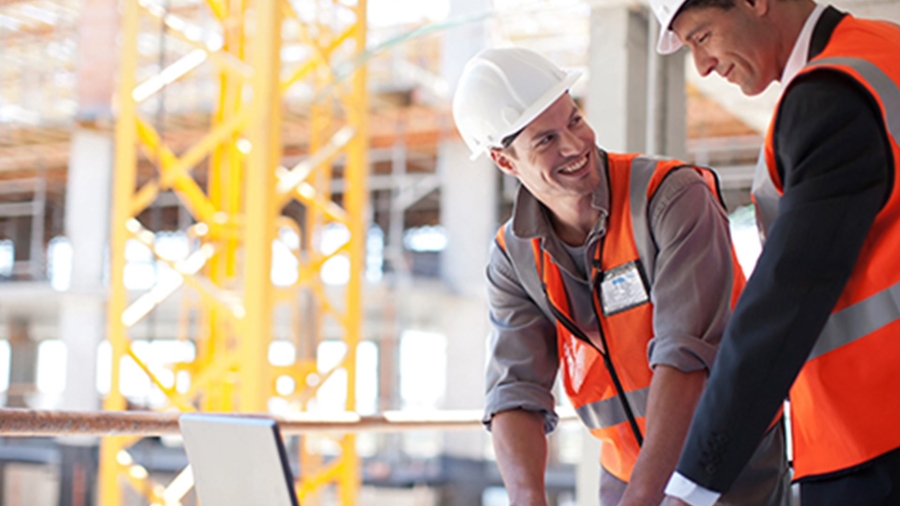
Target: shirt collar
[530, 218]
[800, 54]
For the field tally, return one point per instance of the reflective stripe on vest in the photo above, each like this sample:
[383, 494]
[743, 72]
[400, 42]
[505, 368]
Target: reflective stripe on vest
[858, 321]
[642, 170]
[885, 88]
[609, 412]
[764, 195]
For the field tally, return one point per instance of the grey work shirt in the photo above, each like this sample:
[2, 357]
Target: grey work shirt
[691, 285]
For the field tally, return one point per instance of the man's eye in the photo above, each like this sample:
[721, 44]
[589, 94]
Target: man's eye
[545, 140]
[703, 38]
[576, 120]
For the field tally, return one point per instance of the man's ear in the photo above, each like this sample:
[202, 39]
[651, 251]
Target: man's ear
[761, 7]
[503, 161]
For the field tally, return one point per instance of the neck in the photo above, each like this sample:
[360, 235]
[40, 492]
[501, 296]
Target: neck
[573, 222]
[790, 16]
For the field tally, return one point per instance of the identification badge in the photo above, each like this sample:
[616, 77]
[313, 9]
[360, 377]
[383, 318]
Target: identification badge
[623, 288]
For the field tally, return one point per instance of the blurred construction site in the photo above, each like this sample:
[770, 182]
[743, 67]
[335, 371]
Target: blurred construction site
[264, 206]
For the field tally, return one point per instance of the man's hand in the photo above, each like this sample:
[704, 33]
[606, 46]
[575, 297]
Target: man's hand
[521, 448]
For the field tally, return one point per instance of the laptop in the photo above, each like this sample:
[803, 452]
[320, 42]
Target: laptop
[237, 461]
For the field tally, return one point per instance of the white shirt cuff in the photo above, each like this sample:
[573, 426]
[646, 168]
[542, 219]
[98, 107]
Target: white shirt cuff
[689, 492]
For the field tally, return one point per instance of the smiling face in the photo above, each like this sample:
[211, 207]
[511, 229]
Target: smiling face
[554, 156]
[736, 43]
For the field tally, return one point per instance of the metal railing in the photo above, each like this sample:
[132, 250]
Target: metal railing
[43, 423]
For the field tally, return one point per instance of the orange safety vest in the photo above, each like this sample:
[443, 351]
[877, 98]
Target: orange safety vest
[609, 390]
[844, 403]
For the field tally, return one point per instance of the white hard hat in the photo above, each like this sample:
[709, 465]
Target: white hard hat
[665, 11]
[501, 91]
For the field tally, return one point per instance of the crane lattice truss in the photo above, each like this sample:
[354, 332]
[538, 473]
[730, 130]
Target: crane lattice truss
[231, 182]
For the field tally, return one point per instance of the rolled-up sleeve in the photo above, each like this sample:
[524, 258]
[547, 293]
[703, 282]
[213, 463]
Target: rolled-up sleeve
[693, 277]
[522, 356]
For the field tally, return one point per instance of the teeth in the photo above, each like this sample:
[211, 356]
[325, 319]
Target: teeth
[574, 167]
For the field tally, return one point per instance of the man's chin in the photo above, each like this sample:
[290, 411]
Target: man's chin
[751, 89]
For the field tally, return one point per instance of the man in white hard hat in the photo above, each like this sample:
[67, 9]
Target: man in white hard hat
[616, 271]
[820, 317]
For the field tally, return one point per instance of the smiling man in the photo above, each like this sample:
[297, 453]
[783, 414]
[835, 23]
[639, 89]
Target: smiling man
[820, 317]
[615, 269]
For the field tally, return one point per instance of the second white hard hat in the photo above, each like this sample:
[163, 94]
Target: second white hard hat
[665, 11]
[501, 91]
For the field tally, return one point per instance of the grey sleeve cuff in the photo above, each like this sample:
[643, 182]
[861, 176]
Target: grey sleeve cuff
[685, 353]
[521, 396]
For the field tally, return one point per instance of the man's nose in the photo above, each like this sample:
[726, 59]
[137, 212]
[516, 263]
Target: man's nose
[570, 143]
[704, 62]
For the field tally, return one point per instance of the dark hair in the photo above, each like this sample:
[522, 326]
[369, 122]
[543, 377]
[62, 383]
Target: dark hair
[509, 139]
[696, 4]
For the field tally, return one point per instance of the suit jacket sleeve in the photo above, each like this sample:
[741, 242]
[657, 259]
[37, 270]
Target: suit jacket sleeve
[837, 172]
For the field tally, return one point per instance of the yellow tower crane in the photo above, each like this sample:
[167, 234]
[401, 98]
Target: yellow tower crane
[232, 182]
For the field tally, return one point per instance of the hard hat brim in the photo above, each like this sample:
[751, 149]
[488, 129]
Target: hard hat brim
[668, 42]
[535, 110]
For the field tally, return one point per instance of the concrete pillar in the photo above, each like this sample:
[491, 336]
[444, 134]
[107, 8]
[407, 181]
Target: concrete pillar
[468, 189]
[617, 94]
[39, 206]
[587, 472]
[82, 324]
[20, 232]
[617, 63]
[88, 201]
[22, 364]
[469, 216]
[666, 131]
[467, 319]
[388, 358]
[463, 42]
[469, 201]
[468, 212]
[394, 313]
[674, 97]
[82, 319]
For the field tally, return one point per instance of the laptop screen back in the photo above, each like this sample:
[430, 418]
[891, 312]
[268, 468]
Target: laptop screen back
[237, 461]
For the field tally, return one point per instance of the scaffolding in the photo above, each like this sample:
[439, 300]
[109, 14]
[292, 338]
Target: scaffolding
[231, 182]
